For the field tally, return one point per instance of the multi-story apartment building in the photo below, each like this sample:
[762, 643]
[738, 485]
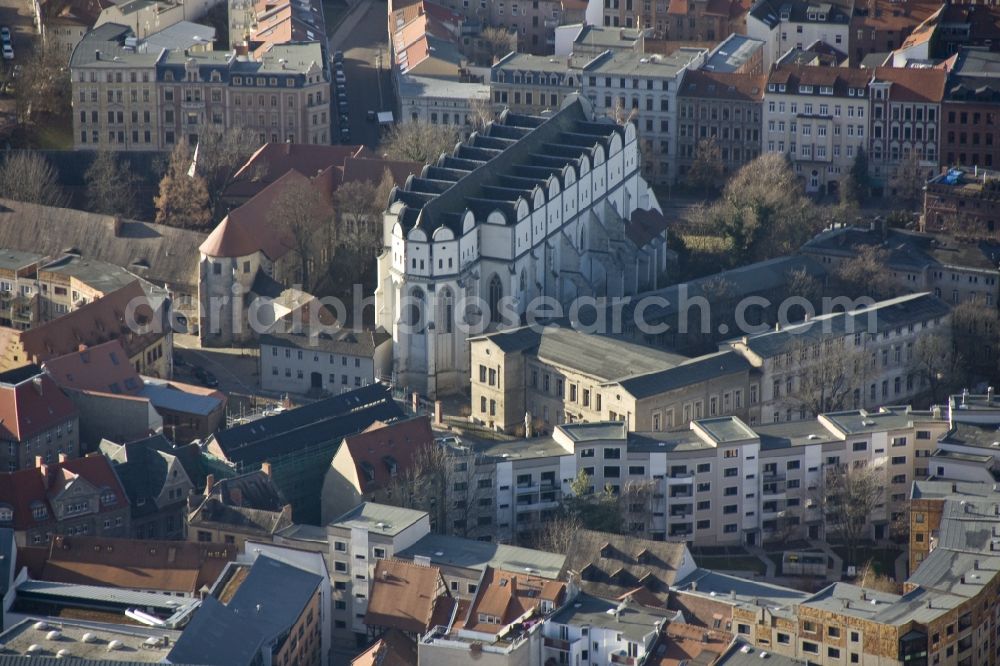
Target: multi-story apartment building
[721, 106]
[40, 422]
[797, 24]
[18, 309]
[882, 26]
[698, 21]
[969, 113]
[129, 97]
[559, 375]
[357, 540]
[495, 235]
[963, 202]
[623, 85]
[874, 362]
[65, 497]
[955, 270]
[818, 116]
[905, 121]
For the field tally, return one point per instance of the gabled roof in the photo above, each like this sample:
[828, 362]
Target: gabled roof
[273, 160]
[143, 470]
[37, 486]
[394, 648]
[249, 501]
[408, 597]
[169, 566]
[504, 596]
[218, 636]
[383, 452]
[31, 406]
[273, 596]
[913, 84]
[322, 422]
[92, 324]
[104, 367]
[161, 254]
[722, 85]
[603, 554]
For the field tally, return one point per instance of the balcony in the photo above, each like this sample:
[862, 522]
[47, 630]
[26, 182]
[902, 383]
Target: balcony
[537, 506]
[190, 104]
[773, 477]
[559, 644]
[680, 479]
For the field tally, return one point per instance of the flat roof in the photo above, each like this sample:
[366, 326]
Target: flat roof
[973, 435]
[631, 620]
[853, 600]
[739, 591]
[99, 275]
[732, 53]
[789, 434]
[443, 550]
[725, 429]
[132, 644]
[859, 421]
[590, 432]
[536, 447]
[14, 259]
[670, 442]
[383, 518]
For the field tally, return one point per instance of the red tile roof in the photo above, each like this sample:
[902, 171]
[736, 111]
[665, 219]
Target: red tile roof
[913, 85]
[103, 368]
[26, 488]
[723, 85]
[92, 324]
[407, 596]
[273, 160]
[382, 446]
[507, 596]
[31, 407]
[249, 229]
[171, 566]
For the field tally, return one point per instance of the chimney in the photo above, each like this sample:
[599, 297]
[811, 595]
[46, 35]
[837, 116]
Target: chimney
[37, 383]
[529, 431]
[415, 401]
[265, 467]
[209, 482]
[438, 413]
[63, 457]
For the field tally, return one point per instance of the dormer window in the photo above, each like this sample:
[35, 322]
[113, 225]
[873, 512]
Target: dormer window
[781, 87]
[108, 497]
[770, 87]
[825, 90]
[38, 511]
[6, 515]
[850, 92]
[806, 90]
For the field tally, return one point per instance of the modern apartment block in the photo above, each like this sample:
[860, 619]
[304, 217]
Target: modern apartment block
[819, 117]
[130, 97]
[620, 84]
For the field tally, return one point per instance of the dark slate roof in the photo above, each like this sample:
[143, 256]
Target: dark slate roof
[769, 12]
[477, 175]
[216, 636]
[142, 468]
[249, 501]
[696, 370]
[882, 316]
[273, 595]
[321, 422]
[907, 250]
[344, 341]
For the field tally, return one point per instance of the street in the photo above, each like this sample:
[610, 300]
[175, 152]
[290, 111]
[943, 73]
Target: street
[363, 38]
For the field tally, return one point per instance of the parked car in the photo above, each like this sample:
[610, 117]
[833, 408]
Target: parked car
[370, 116]
[338, 56]
[449, 440]
[5, 34]
[8, 52]
[205, 377]
[179, 361]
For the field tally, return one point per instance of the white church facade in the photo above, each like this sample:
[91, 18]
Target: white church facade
[551, 206]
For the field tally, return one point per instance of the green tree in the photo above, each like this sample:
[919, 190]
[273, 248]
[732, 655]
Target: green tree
[594, 510]
[183, 198]
[763, 212]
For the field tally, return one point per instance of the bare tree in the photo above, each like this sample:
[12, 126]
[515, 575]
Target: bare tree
[870, 579]
[620, 113]
[804, 285]
[866, 273]
[423, 486]
[111, 186]
[221, 154]
[907, 182]
[850, 496]
[935, 363]
[358, 237]
[183, 198]
[830, 376]
[708, 171]
[301, 213]
[556, 535]
[974, 333]
[27, 176]
[420, 142]
[43, 88]
[497, 42]
[483, 113]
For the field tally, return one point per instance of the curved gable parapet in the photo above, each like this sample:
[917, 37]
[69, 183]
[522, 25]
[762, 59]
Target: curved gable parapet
[537, 198]
[468, 222]
[417, 235]
[555, 187]
[443, 233]
[397, 230]
[408, 185]
[423, 173]
[599, 155]
[585, 164]
[497, 217]
[569, 172]
[523, 208]
[615, 144]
